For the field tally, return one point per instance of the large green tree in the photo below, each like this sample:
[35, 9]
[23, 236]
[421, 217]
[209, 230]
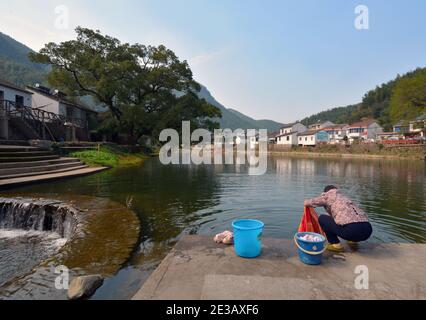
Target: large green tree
[409, 98]
[141, 85]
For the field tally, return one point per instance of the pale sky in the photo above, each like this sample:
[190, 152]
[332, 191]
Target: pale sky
[279, 60]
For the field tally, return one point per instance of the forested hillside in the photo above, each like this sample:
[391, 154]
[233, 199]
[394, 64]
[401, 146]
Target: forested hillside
[403, 98]
[15, 65]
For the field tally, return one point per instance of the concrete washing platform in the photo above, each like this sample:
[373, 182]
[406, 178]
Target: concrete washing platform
[197, 268]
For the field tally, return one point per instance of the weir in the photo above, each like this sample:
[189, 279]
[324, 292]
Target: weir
[38, 215]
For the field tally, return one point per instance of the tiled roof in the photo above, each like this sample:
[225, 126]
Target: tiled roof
[288, 125]
[336, 126]
[309, 132]
[10, 85]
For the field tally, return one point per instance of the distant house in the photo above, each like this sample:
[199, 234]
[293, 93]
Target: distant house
[12, 99]
[56, 102]
[320, 125]
[384, 136]
[401, 127]
[366, 130]
[312, 138]
[418, 125]
[272, 137]
[14, 94]
[288, 133]
[336, 133]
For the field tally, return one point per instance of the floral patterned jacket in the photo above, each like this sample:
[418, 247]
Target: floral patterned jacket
[340, 207]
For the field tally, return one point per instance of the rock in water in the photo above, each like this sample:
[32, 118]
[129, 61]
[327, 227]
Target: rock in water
[84, 287]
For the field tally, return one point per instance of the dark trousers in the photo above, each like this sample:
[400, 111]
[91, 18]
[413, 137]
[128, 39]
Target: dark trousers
[359, 231]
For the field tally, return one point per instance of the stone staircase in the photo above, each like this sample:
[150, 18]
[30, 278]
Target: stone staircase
[20, 164]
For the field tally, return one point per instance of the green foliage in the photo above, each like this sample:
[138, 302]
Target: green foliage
[145, 88]
[409, 97]
[336, 115]
[97, 158]
[108, 157]
[405, 93]
[19, 74]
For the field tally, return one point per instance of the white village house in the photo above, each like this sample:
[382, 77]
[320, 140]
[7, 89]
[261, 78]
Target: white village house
[56, 102]
[14, 94]
[418, 125]
[11, 97]
[311, 138]
[336, 133]
[288, 134]
[40, 114]
[365, 130]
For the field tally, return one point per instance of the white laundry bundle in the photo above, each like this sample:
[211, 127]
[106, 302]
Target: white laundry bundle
[311, 237]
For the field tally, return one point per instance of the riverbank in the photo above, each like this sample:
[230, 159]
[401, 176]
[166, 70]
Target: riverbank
[370, 151]
[197, 268]
[110, 156]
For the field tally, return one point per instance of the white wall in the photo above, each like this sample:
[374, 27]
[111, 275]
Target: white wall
[45, 103]
[290, 139]
[286, 130]
[310, 140]
[297, 127]
[10, 94]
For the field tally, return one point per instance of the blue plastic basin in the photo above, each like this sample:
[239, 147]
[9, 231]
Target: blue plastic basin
[248, 238]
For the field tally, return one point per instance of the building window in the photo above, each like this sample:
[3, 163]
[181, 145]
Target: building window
[288, 138]
[312, 138]
[306, 138]
[19, 100]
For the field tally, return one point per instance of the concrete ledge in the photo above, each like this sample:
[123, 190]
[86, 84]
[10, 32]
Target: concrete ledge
[197, 268]
[8, 183]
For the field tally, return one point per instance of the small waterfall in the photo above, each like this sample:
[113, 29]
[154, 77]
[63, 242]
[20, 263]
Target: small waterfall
[38, 215]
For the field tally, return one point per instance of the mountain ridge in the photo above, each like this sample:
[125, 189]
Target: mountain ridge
[233, 119]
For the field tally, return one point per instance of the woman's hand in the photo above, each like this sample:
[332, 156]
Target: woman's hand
[307, 203]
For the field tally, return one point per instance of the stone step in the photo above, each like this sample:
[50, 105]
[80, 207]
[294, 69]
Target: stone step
[8, 183]
[25, 164]
[25, 154]
[35, 174]
[34, 170]
[5, 148]
[14, 142]
[23, 159]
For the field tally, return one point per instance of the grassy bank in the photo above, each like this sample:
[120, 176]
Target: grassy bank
[356, 151]
[109, 157]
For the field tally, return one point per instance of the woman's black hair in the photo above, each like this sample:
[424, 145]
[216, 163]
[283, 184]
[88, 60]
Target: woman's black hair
[328, 188]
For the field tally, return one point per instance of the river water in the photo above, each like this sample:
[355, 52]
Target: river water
[204, 199]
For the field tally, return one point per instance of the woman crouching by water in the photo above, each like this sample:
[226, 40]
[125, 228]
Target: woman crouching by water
[345, 219]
